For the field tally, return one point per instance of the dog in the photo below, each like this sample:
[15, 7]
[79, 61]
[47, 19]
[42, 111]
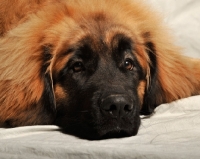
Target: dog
[89, 66]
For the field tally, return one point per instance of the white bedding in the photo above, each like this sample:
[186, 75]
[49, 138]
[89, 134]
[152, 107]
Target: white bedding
[172, 132]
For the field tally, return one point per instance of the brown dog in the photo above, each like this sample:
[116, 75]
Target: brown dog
[89, 66]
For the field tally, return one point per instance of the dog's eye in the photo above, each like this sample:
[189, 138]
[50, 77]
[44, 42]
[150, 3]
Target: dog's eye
[128, 64]
[78, 67]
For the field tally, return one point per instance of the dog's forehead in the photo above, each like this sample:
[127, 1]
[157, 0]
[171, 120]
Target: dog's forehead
[104, 46]
[103, 28]
[101, 35]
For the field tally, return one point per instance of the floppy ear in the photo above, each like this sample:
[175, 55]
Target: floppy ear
[152, 85]
[48, 96]
[26, 86]
[172, 75]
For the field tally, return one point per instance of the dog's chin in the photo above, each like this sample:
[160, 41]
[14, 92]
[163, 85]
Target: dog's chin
[92, 134]
[97, 132]
[117, 134]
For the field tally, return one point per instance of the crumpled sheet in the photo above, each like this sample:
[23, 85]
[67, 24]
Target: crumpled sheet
[172, 132]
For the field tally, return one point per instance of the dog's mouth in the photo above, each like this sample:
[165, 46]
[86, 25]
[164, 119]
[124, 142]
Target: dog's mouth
[96, 135]
[117, 133]
[110, 129]
[114, 134]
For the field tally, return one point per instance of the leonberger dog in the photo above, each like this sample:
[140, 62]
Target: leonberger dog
[89, 66]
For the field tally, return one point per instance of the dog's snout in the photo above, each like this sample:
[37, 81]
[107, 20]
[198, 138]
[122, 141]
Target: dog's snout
[117, 106]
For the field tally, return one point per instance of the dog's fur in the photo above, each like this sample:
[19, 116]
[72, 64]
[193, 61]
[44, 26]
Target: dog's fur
[61, 60]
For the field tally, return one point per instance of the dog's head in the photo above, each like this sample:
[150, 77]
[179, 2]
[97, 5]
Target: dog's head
[97, 63]
[101, 72]
[99, 90]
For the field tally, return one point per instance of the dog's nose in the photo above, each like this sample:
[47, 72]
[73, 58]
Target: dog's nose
[117, 106]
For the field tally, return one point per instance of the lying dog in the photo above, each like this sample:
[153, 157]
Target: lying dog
[90, 66]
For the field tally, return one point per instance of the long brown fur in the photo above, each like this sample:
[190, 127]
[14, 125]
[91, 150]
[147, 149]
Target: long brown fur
[29, 26]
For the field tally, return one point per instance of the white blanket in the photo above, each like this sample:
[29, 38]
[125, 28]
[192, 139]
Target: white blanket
[172, 132]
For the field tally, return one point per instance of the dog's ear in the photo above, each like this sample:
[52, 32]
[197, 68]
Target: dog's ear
[48, 97]
[171, 75]
[149, 100]
[26, 86]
